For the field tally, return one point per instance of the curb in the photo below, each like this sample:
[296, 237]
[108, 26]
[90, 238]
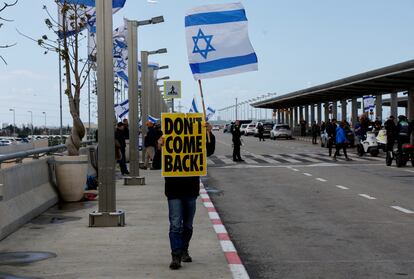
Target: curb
[235, 264]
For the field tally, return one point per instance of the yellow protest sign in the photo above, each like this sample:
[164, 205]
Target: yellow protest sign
[184, 149]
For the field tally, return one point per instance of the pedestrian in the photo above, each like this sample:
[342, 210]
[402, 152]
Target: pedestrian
[303, 124]
[323, 127]
[260, 131]
[150, 143]
[156, 161]
[403, 131]
[316, 130]
[341, 141]
[236, 142]
[126, 128]
[331, 132]
[182, 193]
[391, 132]
[120, 140]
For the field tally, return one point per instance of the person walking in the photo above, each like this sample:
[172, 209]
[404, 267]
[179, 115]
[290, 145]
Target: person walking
[391, 132]
[316, 131]
[260, 131]
[341, 141]
[120, 140]
[150, 143]
[182, 193]
[331, 132]
[236, 141]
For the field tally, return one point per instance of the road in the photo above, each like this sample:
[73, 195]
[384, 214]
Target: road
[294, 213]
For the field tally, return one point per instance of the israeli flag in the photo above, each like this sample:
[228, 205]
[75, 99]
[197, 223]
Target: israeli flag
[210, 113]
[122, 109]
[218, 42]
[153, 119]
[82, 9]
[193, 107]
[369, 103]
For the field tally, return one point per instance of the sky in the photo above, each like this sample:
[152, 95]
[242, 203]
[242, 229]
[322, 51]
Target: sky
[299, 43]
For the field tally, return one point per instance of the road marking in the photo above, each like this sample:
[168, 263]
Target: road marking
[204, 196]
[227, 246]
[208, 204]
[294, 169]
[239, 271]
[307, 174]
[367, 196]
[409, 170]
[213, 216]
[290, 160]
[342, 187]
[402, 209]
[321, 179]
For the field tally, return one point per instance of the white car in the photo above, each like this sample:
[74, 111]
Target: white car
[216, 128]
[249, 130]
[267, 127]
[243, 128]
[281, 131]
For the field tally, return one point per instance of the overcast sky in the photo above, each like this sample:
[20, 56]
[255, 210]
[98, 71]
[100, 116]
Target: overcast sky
[299, 43]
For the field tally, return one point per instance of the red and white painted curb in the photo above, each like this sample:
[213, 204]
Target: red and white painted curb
[235, 264]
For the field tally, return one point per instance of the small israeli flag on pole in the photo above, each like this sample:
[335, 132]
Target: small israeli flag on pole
[218, 42]
[122, 109]
[193, 107]
[210, 113]
[153, 119]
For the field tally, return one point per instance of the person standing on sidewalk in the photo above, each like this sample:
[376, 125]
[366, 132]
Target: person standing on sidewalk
[260, 131]
[316, 130]
[341, 141]
[182, 193]
[331, 132]
[150, 143]
[235, 131]
[120, 139]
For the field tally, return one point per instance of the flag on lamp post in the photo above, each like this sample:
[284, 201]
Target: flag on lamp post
[218, 42]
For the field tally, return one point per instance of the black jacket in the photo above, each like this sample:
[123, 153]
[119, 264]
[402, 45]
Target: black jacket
[391, 128]
[236, 135]
[120, 137]
[186, 187]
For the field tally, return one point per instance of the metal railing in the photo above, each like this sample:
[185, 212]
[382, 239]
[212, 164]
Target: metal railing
[18, 157]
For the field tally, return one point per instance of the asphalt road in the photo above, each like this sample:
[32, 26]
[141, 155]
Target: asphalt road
[294, 213]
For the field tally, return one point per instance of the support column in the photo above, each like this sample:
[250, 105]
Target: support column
[319, 113]
[296, 120]
[326, 111]
[291, 114]
[335, 109]
[354, 111]
[410, 112]
[312, 115]
[378, 107]
[343, 109]
[300, 114]
[394, 104]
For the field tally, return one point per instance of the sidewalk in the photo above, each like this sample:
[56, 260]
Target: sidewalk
[138, 250]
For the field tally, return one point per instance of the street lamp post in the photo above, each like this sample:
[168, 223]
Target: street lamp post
[14, 121]
[44, 112]
[132, 42]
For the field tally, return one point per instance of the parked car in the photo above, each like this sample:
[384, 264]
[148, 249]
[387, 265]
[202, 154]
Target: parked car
[267, 127]
[249, 130]
[243, 128]
[5, 142]
[227, 128]
[281, 131]
[216, 128]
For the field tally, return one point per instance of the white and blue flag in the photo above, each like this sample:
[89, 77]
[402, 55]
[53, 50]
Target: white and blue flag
[122, 109]
[194, 107]
[210, 113]
[218, 42]
[153, 119]
[83, 8]
[369, 102]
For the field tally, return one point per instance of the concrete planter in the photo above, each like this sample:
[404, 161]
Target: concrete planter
[71, 172]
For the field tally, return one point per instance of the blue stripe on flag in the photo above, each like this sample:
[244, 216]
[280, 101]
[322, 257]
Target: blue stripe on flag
[224, 63]
[124, 113]
[124, 103]
[215, 17]
[91, 3]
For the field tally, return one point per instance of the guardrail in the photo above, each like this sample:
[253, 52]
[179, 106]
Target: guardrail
[35, 153]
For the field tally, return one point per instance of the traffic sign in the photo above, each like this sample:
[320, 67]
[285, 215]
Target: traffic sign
[172, 89]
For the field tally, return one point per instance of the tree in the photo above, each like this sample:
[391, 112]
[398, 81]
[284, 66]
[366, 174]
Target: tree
[2, 20]
[73, 19]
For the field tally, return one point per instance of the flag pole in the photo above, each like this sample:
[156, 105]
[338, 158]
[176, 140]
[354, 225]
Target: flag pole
[204, 107]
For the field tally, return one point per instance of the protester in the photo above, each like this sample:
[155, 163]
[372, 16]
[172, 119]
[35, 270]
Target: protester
[120, 139]
[150, 143]
[156, 161]
[331, 132]
[303, 124]
[341, 141]
[316, 131]
[126, 128]
[260, 131]
[323, 126]
[403, 131]
[391, 132]
[182, 193]
[236, 141]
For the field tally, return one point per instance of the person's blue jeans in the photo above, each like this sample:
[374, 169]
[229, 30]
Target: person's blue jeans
[181, 215]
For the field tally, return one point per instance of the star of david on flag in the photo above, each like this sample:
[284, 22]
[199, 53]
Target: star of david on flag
[218, 43]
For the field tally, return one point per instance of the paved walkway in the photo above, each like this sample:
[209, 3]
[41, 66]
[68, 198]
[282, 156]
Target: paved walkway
[138, 250]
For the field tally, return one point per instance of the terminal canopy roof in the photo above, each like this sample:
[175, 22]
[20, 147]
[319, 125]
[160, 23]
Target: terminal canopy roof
[398, 77]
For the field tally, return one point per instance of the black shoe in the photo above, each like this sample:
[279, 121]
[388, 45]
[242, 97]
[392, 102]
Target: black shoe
[240, 160]
[235, 160]
[185, 257]
[176, 261]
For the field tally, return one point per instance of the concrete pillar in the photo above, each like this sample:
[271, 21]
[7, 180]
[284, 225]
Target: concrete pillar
[378, 107]
[296, 120]
[284, 117]
[343, 109]
[291, 122]
[319, 113]
[354, 111]
[307, 114]
[394, 104]
[410, 108]
[335, 109]
[301, 114]
[312, 116]
[326, 110]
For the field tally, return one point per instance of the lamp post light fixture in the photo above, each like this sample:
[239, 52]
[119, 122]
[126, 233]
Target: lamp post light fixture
[14, 120]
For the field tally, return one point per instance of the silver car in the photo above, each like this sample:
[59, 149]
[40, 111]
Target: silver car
[281, 131]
